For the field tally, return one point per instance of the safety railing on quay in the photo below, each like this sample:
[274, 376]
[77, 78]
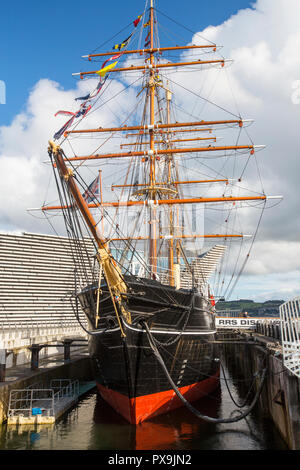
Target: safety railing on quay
[30, 402]
[41, 401]
[64, 388]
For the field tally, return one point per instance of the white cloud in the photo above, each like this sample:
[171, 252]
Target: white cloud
[26, 181]
[265, 261]
[264, 44]
[276, 286]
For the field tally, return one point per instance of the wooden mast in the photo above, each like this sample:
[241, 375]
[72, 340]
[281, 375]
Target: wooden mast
[153, 214]
[171, 218]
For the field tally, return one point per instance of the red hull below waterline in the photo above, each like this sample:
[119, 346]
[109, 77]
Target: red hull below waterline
[139, 409]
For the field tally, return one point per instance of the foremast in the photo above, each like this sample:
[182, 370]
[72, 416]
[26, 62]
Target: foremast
[152, 178]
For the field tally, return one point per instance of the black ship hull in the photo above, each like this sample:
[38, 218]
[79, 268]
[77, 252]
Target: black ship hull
[128, 375]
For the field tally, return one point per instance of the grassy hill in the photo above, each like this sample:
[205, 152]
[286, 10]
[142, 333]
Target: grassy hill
[270, 307]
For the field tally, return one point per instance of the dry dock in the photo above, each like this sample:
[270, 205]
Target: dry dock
[244, 353]
[38, 335]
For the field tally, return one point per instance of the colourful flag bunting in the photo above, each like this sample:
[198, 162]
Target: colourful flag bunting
[61, 131]
[83, 110]
[64, 113]
[123, 44]
[106, 68]
[93, 95]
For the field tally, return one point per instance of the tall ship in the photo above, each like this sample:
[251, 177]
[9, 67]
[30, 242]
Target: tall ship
[151, 200]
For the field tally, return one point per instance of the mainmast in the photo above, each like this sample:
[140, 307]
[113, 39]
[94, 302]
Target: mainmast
[171, 218]
[152, 193]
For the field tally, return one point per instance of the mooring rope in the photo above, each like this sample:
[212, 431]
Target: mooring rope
[230, 394]
[187, 404]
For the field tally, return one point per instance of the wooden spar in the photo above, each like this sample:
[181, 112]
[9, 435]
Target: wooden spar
[155, 67]
[153, 50]
[169, 141]
[162, 237]
[183, 201]
[160, 152]
[67, 174]
[171, 132]
[160, 202]
[157, 126]
[175, 183]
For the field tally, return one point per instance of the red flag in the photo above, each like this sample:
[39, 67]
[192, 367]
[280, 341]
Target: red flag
[114, 57]
[136, 22]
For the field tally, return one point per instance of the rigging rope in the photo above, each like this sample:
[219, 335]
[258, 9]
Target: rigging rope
[179, 24]
[202, 98]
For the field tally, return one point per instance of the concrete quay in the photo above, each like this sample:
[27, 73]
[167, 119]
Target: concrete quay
[18, 339]
[79, 368]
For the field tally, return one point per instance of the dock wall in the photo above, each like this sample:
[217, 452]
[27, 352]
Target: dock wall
[280, 397]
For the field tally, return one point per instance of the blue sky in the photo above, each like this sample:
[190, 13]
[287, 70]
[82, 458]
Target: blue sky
[46, 39]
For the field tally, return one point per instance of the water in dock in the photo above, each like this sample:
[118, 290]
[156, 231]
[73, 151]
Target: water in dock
[92, 425]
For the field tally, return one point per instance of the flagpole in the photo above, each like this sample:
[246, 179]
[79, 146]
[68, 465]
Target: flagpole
[101, 200]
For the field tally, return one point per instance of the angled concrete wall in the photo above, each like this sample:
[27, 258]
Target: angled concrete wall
[36, 281]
